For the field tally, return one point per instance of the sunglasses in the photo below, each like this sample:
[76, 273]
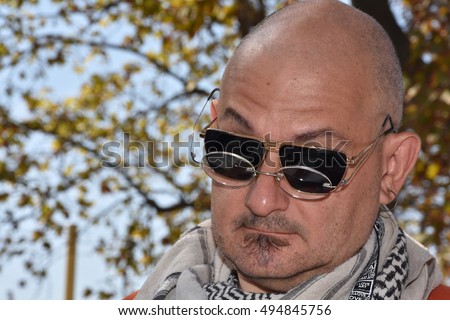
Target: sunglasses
[305, 172]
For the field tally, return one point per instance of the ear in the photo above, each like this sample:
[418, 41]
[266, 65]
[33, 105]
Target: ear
[213, 109]
[400, 152]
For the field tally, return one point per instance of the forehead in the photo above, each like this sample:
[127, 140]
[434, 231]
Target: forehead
[286, 92]
[288, 104]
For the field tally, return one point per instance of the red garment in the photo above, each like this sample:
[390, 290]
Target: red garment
[131, 296]
[440, 293]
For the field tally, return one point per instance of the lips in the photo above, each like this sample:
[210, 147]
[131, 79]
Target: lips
[269, 232]
[273, 225]
[265, 243]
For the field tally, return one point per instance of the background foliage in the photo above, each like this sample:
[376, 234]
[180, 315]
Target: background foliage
[75, 75]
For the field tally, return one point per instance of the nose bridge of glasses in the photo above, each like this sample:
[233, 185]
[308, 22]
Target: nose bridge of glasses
[271, 146]
[276, 175]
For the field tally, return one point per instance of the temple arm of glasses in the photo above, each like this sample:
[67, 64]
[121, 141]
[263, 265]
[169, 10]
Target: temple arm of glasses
[391, 125]
[202, 132]
[361, 157]
[204, 106]
[364, 153]
[191, 148]
[358, 161]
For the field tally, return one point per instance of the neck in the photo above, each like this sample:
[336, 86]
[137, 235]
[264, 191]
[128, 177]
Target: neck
[276, 285]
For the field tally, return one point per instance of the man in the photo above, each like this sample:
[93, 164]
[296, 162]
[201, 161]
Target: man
[290, 219]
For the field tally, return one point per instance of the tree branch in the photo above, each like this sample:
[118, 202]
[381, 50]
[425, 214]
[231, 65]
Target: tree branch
[182, 203]
[381, 11]
[43, 40]
[248, 16]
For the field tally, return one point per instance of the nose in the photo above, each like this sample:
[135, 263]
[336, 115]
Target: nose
[264, 195]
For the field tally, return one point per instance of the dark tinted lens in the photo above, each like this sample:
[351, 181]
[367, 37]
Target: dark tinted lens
[329, 163]
[307, 180]
[229, 165]
[219, 141]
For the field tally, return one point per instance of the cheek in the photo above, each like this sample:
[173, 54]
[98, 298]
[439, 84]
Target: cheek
[339, 226]
[226, 204]
[325, 225]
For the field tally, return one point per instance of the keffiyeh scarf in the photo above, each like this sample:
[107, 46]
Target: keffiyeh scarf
[391, 265]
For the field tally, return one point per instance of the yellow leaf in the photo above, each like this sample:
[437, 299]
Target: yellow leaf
[56, 146]
[37, 235]
[4, 51]
[46, 214]
[78, 69]
[136, 234]
[104, 22]
[80, 126]
[44, 165]
[64, 130]
[432, 171]
[129, 105]
[68, 170]
[146, 259]
[139, 233]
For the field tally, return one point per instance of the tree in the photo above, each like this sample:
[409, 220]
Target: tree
[113, 145]
[423, 45]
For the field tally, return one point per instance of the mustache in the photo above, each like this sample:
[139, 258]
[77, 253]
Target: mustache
[275, 222]
[264, 243]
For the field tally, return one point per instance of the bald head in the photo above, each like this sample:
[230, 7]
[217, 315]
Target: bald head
[327, 36]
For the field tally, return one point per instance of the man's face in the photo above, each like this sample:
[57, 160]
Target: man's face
[274, 240]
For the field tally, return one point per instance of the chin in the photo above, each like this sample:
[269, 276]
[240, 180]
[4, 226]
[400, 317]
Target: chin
[264, 263]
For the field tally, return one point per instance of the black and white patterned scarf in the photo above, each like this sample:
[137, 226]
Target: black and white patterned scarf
[230, 290]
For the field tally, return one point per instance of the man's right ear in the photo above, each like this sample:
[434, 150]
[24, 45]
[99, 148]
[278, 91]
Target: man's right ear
[213, 109]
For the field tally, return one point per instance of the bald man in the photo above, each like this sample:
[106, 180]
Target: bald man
[304, 155]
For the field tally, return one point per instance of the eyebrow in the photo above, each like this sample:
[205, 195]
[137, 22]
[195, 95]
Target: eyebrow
[310, 136]
[231, 113]
[300, 138]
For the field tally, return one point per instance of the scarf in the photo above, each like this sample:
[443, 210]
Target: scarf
[390, 265]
